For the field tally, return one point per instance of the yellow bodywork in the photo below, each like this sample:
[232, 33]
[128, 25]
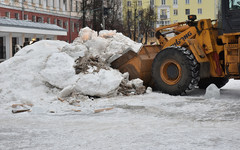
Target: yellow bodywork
[215, 59]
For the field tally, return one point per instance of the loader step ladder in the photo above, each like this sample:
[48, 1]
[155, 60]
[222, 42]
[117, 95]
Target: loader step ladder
[232, 58]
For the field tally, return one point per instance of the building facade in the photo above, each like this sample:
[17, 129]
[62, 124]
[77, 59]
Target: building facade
[24, 20]
[64, 13]
[170, 11]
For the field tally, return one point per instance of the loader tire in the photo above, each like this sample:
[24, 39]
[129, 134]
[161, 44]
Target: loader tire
[175, 71]
[219, 82]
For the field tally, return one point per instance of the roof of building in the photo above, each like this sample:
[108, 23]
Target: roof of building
[23, 26]
[28, 24]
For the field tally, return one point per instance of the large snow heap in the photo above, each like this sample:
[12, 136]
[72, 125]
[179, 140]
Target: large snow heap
[48, 70]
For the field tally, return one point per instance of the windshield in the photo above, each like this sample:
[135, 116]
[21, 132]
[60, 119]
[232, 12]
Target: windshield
[234, 4]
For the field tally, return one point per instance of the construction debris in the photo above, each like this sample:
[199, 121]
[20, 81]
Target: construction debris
[84, 63]
[19, 108]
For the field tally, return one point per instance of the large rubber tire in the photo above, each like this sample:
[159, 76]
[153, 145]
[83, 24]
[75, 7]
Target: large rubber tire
[175, 71]
[219, 82]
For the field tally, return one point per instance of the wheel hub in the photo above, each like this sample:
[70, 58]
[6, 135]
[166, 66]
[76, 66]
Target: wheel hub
[170, 72]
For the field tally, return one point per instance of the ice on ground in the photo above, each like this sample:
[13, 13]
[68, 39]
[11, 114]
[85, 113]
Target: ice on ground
[212, 91]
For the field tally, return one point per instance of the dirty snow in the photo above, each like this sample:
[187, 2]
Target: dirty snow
[44, 72]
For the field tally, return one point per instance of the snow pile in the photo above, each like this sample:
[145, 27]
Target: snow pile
[108, 44]
[212, 91]
[51, 70]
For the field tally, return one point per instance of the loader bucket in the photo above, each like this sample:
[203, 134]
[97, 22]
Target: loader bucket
[138, 65]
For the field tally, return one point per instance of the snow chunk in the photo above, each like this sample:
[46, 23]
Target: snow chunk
[67, 91]
[149, 90]
[75, 51]
[129, 44]
[85, 34]
[59, 70]
[212, 91]
[97, 46]
[103, 83]
[107, 33]
[106, 45]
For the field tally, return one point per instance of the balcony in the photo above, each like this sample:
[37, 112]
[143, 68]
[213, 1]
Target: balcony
[163, 17]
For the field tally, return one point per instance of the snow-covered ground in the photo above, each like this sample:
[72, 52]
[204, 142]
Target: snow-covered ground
[150, 121]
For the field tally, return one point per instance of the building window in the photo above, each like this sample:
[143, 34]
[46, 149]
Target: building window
[25, 16]
[163, 2]
[77, 6]
[48, 4]
[163, 23]
[175, 12]
[59, 23]
[34, 18]
[40, 19]
[2, 49]
[49, 20]
[163, 15]
[187, 11]
[175, 2]
[66, 4]
[199, 11]
[78, 27]
[54, 4]
[66, 25]
[187, 1]
[128, 3]
[72, 26]
[55, 21]
[27, 39]
[164, 11]
[139, 3]
[17, 16]
[199, 1]
[7, 14]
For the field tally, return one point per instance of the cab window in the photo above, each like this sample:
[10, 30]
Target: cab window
[234, 4]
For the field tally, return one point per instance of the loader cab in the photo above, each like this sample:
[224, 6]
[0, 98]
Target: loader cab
[229, 16]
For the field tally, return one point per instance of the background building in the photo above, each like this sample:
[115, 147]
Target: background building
[167, 12]
[171, 11]
[63, 13]
[24, 20]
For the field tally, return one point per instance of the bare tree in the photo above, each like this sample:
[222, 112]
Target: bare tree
[139, 22]
[112, 15]
[147, 22]
[99, 14]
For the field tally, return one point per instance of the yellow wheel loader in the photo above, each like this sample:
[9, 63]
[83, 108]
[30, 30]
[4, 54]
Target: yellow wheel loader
[201, 52]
